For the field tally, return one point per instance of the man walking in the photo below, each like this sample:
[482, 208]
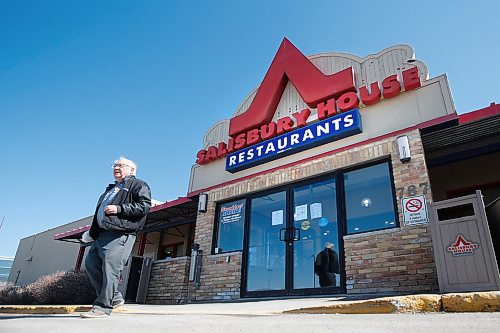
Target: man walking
[326, 266]
[120, 214]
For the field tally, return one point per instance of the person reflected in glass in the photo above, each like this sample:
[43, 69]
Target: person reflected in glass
[326, 266]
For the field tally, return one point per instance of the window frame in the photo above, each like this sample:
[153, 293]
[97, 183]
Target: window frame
[215, 237]
[386, 160]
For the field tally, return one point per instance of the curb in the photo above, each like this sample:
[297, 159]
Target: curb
[43, 309]
[472, 302]
[457, 302]
[399, 304]
[460, 302]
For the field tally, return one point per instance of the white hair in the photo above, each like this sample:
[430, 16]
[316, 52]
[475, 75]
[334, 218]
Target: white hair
[128, 162]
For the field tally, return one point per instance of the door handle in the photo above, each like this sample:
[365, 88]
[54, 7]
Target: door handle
[296, 234]
[282, 234]
[287, 234]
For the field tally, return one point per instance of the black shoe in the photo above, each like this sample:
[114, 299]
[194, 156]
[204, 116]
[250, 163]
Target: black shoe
[118, 303]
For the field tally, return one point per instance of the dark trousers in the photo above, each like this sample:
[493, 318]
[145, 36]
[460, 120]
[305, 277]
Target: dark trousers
[327, 279]
[107, 256]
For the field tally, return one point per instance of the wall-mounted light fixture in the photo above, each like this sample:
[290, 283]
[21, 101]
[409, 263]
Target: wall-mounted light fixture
[202, 203]
[404, 148]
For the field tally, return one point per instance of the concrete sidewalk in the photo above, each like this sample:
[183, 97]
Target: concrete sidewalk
[355, 304]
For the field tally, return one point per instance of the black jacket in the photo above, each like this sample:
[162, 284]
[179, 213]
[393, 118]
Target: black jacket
[327, 261]
[133, 201]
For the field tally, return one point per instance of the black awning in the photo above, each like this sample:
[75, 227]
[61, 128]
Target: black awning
[170, 214]
[167, 224]
[462, 141]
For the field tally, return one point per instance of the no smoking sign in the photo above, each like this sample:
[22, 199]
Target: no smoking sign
[414, 205]
[415, 210]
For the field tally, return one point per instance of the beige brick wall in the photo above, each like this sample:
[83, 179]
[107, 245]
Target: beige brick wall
[220, 278]
[168, 283]
[390, 261]
[396, 260]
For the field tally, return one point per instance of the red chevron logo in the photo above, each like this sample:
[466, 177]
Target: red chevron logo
[313, 86]
[462, 247]
[330, 94]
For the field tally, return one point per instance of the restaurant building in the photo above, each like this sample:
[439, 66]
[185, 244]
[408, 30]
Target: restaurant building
[319, 184]
[324, 152]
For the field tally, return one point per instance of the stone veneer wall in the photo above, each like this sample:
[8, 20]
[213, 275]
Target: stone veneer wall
[395, 260]
[220, 278]
[168, 283]
[385, 261]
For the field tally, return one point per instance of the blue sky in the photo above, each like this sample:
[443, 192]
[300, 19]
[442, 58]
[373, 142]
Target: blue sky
[83, 82]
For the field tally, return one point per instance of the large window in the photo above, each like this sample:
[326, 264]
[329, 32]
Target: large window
[369, 199]
[231, 222]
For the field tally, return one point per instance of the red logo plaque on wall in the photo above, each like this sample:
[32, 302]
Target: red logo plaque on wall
[462, 247]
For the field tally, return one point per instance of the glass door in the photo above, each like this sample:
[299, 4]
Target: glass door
[316, 261]
[266, 255]
[293, 241]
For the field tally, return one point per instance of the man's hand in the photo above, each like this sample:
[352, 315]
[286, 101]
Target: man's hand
[111, 210]
[86, 237]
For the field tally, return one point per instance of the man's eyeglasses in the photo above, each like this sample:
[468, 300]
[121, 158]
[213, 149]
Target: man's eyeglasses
[119, 165]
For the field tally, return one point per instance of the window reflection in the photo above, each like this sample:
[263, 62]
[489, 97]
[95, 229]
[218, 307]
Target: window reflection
[315, 207]
[369, 199]
[326, 266]
[266, 253]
